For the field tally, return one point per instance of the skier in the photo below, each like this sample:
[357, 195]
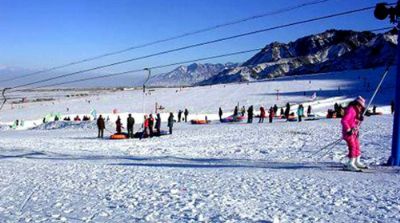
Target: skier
[262, 115]
[300, 112]
[220, 113]
[309, 110]
[186, 114]
[170, 122]
[130, 122]
[271, 114]
[350, 130]
[101, 126]
[151, 125]
[250, 114]
[158, 124]
[118, 125]
[374, 110]
[287, 111]
[392, 107]
[179, 115]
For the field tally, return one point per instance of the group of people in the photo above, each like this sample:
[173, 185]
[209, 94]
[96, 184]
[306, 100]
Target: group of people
[151, 126]
[185, 113]
[272, 112]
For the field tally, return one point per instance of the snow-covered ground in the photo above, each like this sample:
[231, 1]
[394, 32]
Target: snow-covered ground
[329, 88]
[202, 173]
[212, 173]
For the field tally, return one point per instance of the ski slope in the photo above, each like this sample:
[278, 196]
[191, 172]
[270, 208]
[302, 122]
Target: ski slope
[60, 171]
[206, 100]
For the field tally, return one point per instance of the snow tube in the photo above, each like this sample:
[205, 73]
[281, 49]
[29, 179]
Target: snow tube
[311, 117]
[138, 135]
[232, 119]
[199, 122]
[118, 136]
[292, 118]
[162, 133]
[370, 113]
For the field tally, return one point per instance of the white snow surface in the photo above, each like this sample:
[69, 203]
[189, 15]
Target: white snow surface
[60, 171]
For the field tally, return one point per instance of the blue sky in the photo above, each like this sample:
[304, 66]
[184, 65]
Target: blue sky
[40, 34]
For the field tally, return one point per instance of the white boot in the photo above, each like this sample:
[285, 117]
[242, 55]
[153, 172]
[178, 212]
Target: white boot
[359, 164]
[351, 165]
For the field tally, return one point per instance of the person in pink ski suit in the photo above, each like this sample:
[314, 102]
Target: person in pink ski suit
[350, 130]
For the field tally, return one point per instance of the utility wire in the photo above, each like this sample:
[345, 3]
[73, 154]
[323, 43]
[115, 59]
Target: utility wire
[141, 69]
[234, 22]
[200, 44]
[381, 29]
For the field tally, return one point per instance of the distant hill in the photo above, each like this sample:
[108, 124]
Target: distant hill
[189, 75]
[332, 50]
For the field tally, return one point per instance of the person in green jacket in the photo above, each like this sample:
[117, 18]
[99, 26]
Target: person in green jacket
[300, 112]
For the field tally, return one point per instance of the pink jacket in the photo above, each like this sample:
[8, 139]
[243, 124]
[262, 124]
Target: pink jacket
[350, 120]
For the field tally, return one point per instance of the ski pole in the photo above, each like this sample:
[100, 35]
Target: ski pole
[325, 147]
[330, 149]
[377, 89]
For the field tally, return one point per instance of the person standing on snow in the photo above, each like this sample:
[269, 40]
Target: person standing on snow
[275, 109]
[250, 114]
[179, 115]
[101, 126]
[262, 115]
[300, 112]
[186, 114]
[309, 110]
[287, 111]
[242, 111]
[118, 125]
[130, 122]
[145, 127]
[235, 112]
[271, 114]
[151, 125]
[170, 122]
[158, 124]
[350, 129]
[220, 113]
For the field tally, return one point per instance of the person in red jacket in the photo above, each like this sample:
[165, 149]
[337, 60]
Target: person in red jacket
[145, 127]
[350, 130]
[271, 114]
[151, 125]
[262, 115]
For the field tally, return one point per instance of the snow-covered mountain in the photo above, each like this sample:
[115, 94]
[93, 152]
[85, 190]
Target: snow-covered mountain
[332, 50]
[189, 75]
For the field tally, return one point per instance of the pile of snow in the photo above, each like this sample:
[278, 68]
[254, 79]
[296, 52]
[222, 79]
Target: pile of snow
[66, 125]
[4, 127]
